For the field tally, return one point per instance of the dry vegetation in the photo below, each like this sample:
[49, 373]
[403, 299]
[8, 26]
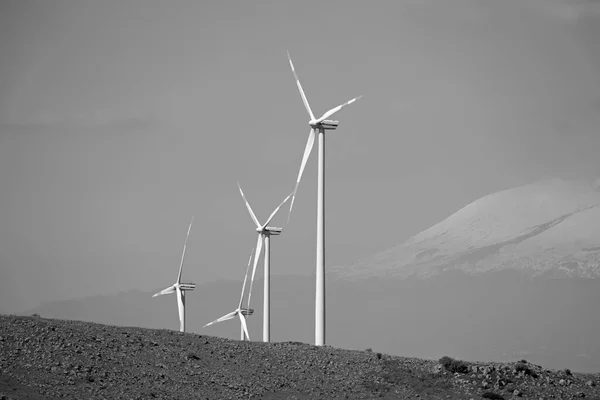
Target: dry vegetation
[50, 359]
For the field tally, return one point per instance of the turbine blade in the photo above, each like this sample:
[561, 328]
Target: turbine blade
[248, 207]
[276, 210]
[338, 108]
[256, 257]
[307, 150]
[304, 100]
[168, 290]
[180, 307]
[223, 318]
[244, 325]
[184, 247]
[245, 279]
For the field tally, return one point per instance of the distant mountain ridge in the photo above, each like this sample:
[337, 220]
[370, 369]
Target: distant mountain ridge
[550, 227]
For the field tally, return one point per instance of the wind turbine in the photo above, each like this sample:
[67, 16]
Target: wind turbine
[179, 287]
[319, 125]
[239, 311]
[264, 233]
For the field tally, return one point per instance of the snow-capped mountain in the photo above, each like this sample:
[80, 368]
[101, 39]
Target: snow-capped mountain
[550, 227]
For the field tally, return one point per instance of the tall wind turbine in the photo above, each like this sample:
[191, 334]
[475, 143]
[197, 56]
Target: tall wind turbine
[179, 287]
[319, 125]
[264, 233]
[239, 311]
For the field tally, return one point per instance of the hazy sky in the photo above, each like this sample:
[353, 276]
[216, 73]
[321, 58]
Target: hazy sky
[121, 119]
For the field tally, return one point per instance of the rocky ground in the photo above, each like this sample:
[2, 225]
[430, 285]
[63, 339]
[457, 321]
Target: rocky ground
[51, 359]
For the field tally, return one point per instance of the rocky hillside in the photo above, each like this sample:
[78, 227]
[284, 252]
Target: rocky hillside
[496, 316]
[551, 227]
[51, 359]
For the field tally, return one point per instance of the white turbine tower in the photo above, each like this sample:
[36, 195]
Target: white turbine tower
[179, 287]
[319, 125]
[239, 311]
[264, 233]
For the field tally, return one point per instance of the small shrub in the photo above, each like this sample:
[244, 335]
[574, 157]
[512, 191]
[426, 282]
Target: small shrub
[524, 361]
[520, 367]
[379, 356]
[492, 395]
[369, 350]
[568, 372]
[445, 360]
[453, 365]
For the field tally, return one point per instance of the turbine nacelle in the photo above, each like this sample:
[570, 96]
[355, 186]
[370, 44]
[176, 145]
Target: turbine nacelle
[247, 311]
[326, 124]
[186, 286]
[269, 230]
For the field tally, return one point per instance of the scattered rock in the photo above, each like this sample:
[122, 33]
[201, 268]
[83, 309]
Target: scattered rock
[71, 359]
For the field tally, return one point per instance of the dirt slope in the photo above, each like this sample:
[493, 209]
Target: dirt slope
[51, 359]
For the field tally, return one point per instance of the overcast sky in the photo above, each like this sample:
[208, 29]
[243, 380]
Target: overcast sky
[121, 119]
